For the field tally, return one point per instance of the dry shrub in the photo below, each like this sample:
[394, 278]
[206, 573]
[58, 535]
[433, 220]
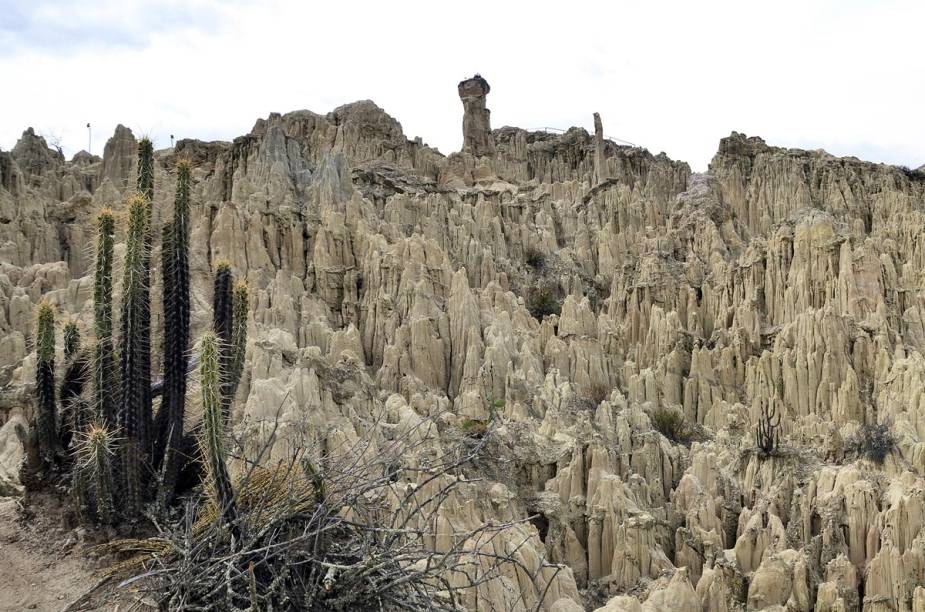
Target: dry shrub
[670, 424]
[345, 529]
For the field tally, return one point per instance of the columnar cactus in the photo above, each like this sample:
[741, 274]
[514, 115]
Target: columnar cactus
[767, 434]
[136, 385]
[238, 335]
[76, 370]
[146, 168]
[45, 385]
[94, 466]
[214, 428]
[71, 339]
[104, 360]
[176, 332]
[146, 190]
[222, 323]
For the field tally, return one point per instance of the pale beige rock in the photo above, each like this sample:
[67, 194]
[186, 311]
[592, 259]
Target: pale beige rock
[390, 281]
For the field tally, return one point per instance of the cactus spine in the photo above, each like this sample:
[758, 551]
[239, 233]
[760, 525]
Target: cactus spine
[176, 332]
[222, 314]
[213, 429]
[45, 384]
[238, 335]
[104, 361]
[134, 420]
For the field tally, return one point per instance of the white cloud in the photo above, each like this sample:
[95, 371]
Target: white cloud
[671, 76]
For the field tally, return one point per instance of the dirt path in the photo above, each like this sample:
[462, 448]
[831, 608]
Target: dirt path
[41, 567]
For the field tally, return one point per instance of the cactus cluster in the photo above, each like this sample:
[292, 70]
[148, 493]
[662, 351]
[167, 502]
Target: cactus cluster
[117, 441]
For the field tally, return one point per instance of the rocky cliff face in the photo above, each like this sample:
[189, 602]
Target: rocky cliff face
[389, 279]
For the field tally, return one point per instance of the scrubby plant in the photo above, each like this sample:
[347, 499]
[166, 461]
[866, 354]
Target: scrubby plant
[176, 304]
[213, 422]
[598, 392]
[45, 385]
[542, 302]
[767, 433]
[535, 258]
[875, 441]
[474, 428]
[670, 424]
[104, 360]
[135, 417]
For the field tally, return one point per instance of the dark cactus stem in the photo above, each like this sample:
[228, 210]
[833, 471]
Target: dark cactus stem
[134, 421]
[161, 419]
[76, 373]
[80, 486]
[222, 314]
[176, 332]
[238, 335]
[767, 434]
[71, 339]
[214, 431]
[146, 189]
[104, 359]
[45, 385]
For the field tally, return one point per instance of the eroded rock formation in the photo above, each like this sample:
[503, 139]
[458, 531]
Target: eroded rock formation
[477, 138]
[389, 279]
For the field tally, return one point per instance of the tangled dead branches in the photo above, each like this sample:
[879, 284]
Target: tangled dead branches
[357, 528]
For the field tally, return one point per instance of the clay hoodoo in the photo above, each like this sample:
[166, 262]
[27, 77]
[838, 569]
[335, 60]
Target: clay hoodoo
[477, 138]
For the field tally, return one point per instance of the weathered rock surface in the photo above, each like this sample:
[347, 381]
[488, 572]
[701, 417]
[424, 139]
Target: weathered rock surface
[389, 279]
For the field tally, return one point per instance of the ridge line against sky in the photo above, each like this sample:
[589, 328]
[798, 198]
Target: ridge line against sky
[669, 76]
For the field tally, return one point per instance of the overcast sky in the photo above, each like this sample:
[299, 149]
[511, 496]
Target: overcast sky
[842, 75]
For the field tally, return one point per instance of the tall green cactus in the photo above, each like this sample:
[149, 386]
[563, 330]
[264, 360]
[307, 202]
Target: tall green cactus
[146, 190]
[214, 428]
[134, 418]
[238, 334]
[104, 360]
[176, 333]
[222, 324]
[45, 385]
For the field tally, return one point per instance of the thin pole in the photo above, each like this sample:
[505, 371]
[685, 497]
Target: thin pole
[89, 140]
